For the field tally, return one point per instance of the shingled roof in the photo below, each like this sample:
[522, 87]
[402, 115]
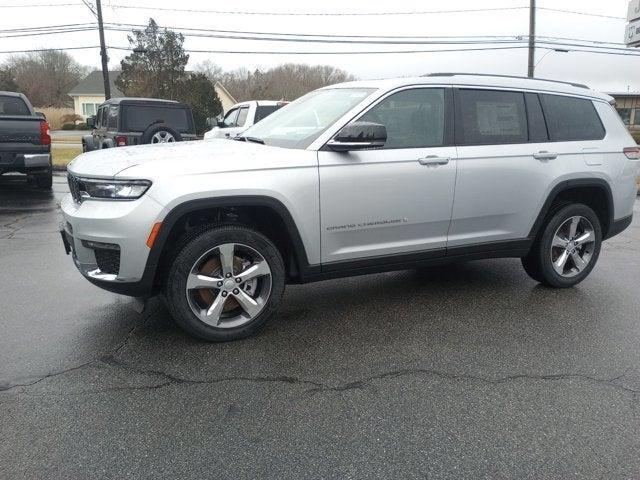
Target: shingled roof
[94, 85]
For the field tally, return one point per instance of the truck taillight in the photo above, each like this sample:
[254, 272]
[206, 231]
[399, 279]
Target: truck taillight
[45, 134]
[121, 141]
[632, 153]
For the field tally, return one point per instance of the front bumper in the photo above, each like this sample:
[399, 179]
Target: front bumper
[125, 224]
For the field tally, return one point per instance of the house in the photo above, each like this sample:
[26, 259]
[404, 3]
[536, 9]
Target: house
[226, 99]
[89, 94]
[628, 106]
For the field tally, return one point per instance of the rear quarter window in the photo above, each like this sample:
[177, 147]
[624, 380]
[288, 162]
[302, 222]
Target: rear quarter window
[10, 105]
[139, 118]
[571, 119]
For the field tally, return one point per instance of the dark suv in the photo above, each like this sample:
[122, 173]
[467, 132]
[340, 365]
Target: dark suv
[138, 121]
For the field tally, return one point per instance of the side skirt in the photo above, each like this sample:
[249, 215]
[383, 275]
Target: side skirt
[388, 263]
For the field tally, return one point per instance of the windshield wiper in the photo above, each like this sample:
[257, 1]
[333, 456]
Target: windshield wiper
[242, 138]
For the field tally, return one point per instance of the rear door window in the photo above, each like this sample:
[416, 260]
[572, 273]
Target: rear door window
[242, 116]
[139, 118]
[571, 118]
[263, 111]
[10, 105]
[490, 117]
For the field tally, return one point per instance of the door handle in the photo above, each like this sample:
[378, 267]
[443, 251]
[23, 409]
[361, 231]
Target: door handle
[544, 155]
[434, 160]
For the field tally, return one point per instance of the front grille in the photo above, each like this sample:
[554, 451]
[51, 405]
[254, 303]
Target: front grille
[74, 188]
[108, 260]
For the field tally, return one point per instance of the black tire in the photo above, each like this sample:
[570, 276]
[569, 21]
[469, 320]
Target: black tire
[44, 181]
[193, 248]
[147, 136]
[538, 263]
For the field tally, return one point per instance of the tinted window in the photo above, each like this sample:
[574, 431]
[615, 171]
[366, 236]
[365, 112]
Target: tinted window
[112, 121]
[103, 119]
[13, 106]
[230, 118]
[265, 110]
[139, 118]
[535, 119]
[490, 117]
[242, 116]
[413, 118]
[570, 118]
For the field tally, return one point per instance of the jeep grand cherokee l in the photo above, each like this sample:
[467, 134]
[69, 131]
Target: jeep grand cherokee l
[356, 178]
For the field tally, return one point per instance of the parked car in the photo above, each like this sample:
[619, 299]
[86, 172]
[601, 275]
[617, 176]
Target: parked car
[357, 178]
[241, 116]
[25, 142]
[120, 122]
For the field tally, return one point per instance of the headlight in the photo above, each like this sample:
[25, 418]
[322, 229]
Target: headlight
[112, 189]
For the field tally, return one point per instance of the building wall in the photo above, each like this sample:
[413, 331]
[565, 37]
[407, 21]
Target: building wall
[226, 100]
[628, 107]
[79, 100]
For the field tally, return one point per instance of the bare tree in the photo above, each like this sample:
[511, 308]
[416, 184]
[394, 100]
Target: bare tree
[287, 82]
[46, 77]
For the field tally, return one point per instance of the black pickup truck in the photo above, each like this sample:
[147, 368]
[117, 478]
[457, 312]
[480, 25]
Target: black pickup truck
[25, 142]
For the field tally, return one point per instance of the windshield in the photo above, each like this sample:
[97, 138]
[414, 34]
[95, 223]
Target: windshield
[298, 124]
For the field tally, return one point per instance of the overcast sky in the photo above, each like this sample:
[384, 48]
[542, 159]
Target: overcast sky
[603, 72]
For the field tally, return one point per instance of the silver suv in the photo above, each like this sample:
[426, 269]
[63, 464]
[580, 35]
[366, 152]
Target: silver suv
[351, 179]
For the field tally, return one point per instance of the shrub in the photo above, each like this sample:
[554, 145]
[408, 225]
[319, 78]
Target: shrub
[82, 126]
[55, 115]
[68, 126]
[71, 118]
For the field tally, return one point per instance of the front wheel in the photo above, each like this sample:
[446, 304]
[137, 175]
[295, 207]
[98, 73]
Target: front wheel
[567, 249]
[225, 283]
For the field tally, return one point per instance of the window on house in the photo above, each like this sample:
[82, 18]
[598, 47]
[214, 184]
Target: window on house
[625, 115]
[89, 109]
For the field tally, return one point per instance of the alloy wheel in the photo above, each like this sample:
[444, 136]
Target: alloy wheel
[572, 246]
[229, 285]
[162, 137]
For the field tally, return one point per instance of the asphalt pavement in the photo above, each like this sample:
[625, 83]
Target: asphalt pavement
[468, 371]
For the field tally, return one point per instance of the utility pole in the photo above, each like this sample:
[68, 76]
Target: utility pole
[532, 38]
[103, 52]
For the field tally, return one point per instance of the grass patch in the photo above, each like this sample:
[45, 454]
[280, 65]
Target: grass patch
[62, 156]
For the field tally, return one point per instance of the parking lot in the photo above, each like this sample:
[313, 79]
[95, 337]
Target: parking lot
[467, 371]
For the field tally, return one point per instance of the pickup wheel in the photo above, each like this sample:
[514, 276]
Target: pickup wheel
[225, 283]
[44, 181]
[567, 249]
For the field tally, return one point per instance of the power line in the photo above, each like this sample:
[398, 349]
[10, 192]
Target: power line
[586, 14]
[314, 14]
[35, 50]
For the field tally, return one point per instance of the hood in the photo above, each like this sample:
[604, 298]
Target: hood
[182, 158]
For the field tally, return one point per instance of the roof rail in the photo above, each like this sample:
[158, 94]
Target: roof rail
[452, 74]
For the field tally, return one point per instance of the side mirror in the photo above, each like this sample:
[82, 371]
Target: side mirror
[91, 122]
[359, 136]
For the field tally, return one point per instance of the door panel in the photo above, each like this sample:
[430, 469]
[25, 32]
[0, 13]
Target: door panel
[383, 202]
[396, 199]
[501, 189]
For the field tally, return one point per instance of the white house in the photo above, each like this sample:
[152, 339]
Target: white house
[89, 93]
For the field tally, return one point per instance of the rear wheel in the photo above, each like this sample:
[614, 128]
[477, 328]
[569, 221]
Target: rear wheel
[225, 283]
[567, 249]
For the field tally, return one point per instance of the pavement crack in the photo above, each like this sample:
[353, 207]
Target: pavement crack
[10, 386]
